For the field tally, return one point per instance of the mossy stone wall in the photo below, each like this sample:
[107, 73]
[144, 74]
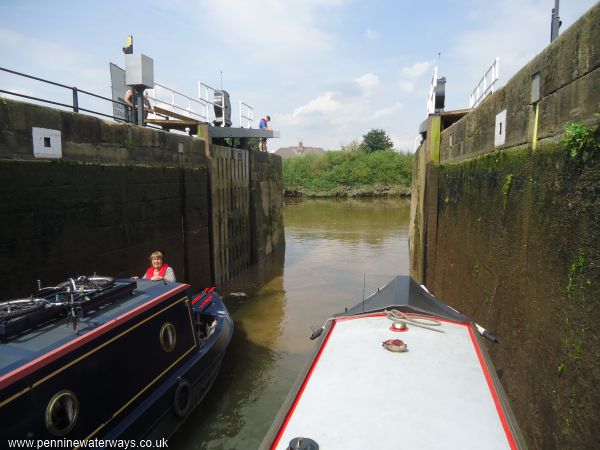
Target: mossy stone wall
[511, 236]
[117, 193]
[518, 249]
[266, 194]
[66, 219]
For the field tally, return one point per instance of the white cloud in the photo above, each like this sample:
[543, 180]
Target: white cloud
[416, 70]
[54, 62]
[410, 75]
[474, 50]
[333, 119]
[406, 86]
[323, 104]
[290, 59]
[48, 59]
[473, 15]
[388, 111]
[367, 81]
[372, 35]
[278, 29]
[404, 143]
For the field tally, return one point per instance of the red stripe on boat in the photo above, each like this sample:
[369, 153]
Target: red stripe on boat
[301, 390]
[26, 369]
[196, 298]
[203, 304]
[492, 388]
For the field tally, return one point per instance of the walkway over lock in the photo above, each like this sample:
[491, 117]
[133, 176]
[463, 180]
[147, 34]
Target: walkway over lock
[176, 121]
[197, 114]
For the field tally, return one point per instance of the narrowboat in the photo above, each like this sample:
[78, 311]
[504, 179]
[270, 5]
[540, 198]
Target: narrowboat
[399, 370]
[96, 358]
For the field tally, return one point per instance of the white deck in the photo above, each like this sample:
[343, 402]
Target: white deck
[362, 396]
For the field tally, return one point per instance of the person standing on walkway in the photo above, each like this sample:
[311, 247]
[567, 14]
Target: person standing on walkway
[131, 101]
[263, 125]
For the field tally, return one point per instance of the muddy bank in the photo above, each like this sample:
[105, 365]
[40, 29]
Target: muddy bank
[351, 192]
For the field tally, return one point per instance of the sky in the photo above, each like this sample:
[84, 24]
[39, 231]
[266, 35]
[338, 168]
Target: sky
[326, 71]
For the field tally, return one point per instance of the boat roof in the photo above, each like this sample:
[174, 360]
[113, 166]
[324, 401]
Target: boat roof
[405, 294]
[23, 353]
[439, 394]
[442, 393]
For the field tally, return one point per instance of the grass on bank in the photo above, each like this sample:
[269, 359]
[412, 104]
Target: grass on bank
[348, 174]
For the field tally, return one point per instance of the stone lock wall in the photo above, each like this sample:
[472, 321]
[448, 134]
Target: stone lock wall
[117, 193]
[510, 235]
[266, 193]
[247, 208]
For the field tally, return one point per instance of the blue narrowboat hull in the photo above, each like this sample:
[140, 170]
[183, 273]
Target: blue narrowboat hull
[135, 368]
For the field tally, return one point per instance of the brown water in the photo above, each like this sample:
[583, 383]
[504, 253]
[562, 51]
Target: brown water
[330, 246]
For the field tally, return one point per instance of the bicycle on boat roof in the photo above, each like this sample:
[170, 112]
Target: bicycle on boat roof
[69, 295]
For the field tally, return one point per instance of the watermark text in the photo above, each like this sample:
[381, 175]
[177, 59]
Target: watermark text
[88, 443]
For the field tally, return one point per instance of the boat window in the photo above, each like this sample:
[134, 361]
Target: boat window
[62, 413]
[168, 336]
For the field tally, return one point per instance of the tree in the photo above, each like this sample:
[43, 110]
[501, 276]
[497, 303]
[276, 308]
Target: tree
[354, 146]
[376, 140]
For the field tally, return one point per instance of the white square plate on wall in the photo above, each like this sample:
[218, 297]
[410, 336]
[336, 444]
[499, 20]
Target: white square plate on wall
[500, 131]
[46, 143]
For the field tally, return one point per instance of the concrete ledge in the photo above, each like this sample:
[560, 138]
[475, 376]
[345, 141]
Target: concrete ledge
[89, 139]
[229, 132]
[569, 71]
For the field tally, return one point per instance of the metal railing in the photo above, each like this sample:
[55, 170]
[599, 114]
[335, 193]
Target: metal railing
[161, 96]
[75, 105]
[169, 99]
[485, 85]
[219, 99]
[207, 94]
[418, 142]
[431, 96]
[246, 115]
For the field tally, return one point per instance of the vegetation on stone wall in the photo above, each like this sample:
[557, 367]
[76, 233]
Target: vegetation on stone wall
[507, 186]
[579, 351]
[580, 141]
[128, 144]
[348, 174]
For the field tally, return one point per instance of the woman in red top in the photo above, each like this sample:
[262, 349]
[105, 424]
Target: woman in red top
[159, 270]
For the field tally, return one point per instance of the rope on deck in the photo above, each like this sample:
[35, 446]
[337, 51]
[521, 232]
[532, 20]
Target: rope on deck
[422, 322]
